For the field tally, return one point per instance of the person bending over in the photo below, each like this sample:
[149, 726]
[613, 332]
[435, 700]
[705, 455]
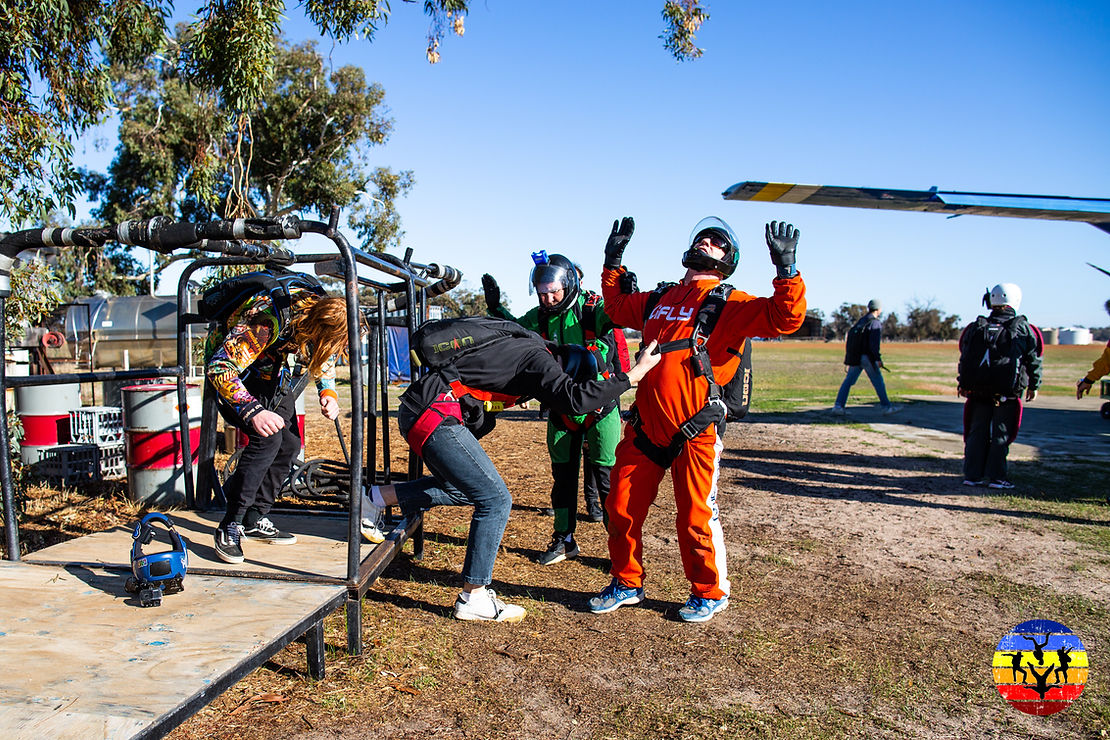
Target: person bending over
[442, 416]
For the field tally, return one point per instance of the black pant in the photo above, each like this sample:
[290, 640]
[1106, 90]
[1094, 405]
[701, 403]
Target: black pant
[989, 428]
[564, 491]
[264, 463]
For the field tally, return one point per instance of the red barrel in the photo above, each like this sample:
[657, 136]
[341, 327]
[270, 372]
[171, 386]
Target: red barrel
[44, 412]
[155, 470]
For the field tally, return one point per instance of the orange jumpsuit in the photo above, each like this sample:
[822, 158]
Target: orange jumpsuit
[668, 396]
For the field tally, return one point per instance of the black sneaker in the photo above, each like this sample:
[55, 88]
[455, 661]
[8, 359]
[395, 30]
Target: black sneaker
[559, 550]
[594, 511]
[227, 543]
[265, 531]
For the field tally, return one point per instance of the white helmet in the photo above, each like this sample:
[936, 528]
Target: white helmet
[1005, 294]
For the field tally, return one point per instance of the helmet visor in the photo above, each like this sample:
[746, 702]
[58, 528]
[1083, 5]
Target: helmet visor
[719, 232]
[550, 278]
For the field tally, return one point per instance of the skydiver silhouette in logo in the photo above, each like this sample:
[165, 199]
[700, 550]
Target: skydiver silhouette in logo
[1038, 651]
[1015, 665]
[1042, 686]
[1065, 659]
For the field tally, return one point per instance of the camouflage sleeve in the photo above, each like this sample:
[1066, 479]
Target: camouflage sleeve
[325, 383]
[253, 329]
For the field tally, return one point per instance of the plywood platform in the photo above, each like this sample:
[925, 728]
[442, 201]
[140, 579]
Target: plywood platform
[320, 553]
[82, 659]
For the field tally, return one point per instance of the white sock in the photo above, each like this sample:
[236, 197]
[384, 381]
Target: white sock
[376, 496]
[477, 594]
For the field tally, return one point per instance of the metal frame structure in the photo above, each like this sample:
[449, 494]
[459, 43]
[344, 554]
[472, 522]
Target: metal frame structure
[417, 282]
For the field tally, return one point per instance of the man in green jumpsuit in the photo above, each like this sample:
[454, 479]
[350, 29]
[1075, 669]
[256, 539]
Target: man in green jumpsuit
[568, 315]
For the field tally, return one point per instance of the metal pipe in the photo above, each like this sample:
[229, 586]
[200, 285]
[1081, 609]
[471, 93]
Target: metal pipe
[35, 380]
[11, 519]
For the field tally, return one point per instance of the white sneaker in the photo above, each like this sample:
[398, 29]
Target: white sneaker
[892, 409]
[371, 524]
[839, 411]
[487, 608]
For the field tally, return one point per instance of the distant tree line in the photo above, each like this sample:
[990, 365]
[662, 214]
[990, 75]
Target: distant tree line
[924, 322]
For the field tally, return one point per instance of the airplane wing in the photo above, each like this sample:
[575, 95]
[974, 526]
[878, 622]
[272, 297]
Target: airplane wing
[1095, 211]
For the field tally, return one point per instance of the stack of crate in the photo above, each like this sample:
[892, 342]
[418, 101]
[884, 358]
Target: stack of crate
[70, 464]
[101, 426]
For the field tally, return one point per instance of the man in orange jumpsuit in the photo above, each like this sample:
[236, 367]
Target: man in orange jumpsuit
[663, 431]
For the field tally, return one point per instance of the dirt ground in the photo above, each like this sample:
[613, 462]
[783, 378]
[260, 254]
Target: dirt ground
[869, 590]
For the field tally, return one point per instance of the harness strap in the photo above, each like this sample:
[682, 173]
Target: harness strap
[713, 412]
[451, 374]
[443, 408]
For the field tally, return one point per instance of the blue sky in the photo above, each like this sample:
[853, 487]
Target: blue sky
[549, 120]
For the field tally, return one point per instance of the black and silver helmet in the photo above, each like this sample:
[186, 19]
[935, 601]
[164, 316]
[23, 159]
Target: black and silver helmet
[717, 228]
[556, 271]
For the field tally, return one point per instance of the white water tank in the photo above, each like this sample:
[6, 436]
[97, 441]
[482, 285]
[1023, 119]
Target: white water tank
[1075, 336]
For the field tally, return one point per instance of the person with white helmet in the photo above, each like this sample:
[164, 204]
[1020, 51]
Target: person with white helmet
[1000, 362]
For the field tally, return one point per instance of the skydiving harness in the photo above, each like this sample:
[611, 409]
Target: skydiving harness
[715, 410]
[588, 321]
[446, 406]
[436, 345]
[220, 302]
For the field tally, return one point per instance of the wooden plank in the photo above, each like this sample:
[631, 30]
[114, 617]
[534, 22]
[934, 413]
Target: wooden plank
[319, 554]
[83, 659]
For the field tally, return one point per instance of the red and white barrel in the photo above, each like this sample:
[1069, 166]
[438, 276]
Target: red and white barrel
[241, 438]
[155, 473]
[44, 412]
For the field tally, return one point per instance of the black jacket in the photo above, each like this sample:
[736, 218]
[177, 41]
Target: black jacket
[518, 366]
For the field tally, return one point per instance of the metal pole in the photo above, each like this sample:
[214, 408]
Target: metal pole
[11, 519]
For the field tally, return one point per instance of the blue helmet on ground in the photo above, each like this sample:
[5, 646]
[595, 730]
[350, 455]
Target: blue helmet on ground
[164, 571]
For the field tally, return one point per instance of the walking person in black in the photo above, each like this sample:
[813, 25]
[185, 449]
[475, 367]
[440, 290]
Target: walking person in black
[1000, 361]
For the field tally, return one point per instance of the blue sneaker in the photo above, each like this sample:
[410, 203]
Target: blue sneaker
[614, 596]
[697, 609]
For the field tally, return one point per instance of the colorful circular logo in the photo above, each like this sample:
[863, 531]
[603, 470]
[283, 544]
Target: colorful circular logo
[1040, 667]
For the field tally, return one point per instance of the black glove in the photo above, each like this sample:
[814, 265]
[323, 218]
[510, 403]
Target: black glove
[627, 283]
[782, 240]
[492, 291]
[618, 240]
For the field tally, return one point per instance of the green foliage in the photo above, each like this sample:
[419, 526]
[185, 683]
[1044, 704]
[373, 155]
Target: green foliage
[844, 317]
[305, 146]
[461, 302]
[55, 83]
[683, 19]
[925, 321]
[35, 294]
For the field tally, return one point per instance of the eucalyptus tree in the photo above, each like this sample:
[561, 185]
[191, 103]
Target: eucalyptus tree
[55, 59]
[305, 146]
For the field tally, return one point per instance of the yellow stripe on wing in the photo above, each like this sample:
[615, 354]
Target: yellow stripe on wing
[773, 191]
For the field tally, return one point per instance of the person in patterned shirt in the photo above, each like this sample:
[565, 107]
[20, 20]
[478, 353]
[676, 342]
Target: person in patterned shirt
[249, 367]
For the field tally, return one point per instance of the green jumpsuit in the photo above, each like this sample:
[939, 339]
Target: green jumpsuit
[601, 435]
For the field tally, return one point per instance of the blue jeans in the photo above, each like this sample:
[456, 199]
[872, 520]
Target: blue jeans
[463, 475]
[873, 372]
